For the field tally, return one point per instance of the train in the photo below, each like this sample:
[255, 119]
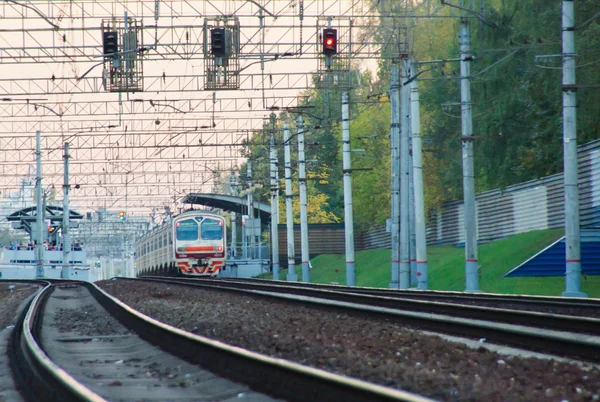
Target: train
[193, 243]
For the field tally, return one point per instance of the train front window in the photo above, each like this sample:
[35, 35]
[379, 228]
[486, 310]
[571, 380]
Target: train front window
[211, 229]
[186, 230]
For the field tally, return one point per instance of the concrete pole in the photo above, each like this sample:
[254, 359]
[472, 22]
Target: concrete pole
[233, 216]
[40, 210]
[420, 234]
[348, 214]
[250, 253]
[395, 174]
[471, 266]
[66, 238]
[412, 242]
[572, 239]
[404, 178]
[289, 213]
[274, 210]
[303, 203]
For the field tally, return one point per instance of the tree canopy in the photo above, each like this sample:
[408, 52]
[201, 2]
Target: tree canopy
[516, 100]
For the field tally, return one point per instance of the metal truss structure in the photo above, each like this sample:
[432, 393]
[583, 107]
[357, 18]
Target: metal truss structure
[146, 143]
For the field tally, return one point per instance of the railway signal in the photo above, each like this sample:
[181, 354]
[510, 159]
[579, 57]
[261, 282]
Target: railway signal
[329, 41]
[110, 42]
[122, 215]
[218, 42]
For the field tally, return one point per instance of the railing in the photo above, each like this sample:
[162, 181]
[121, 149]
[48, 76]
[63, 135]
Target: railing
[246, 251]
[49, 256]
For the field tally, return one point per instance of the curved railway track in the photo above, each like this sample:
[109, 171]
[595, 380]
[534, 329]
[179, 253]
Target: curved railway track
[564, 335]
[38, 375]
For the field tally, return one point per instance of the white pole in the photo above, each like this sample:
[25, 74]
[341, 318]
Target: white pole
[40, 209]
[289, 213]
[412, 241]
[572, 239]
[471, 266]
[404, 178]
[420, 235]
[250, 253]
[395, 173]
[66, 239]
[274, 211]
[347, 171]
[233, 182]
[303, 203]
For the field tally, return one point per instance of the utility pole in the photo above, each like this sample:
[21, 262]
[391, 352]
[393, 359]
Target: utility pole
[412, 243]
[66, 238]
[404, 178]
[233, 190]
[348, 215]
[303, 202]
[40, 211]
[250, 253]
[289, 213]
[274, 210]
[572, 235]
[471, 266]
[395, 173]
[420, 235]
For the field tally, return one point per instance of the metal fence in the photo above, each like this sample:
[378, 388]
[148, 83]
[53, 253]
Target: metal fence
[533, 205]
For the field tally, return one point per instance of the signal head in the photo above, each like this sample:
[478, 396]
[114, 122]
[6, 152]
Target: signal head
[110, 42]
[329, 41]
[218, 42]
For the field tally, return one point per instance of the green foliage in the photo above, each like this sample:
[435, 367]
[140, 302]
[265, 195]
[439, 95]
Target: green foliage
[516, 102]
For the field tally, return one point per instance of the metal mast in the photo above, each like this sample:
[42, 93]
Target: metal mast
[66, 238]
[233, 185]
[303, 202]
[274, 210]
[420, 235]
[395, 173]
[250, 253]
[404, 278]
[348, 214]
[572, 239]
[471, 266]
[40, 209]
[289, 213]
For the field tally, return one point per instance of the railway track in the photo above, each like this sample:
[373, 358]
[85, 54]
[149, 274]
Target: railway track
[143, 358]
[561, 305]
[571, 336]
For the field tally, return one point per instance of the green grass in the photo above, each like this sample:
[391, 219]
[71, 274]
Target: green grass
[447, 267]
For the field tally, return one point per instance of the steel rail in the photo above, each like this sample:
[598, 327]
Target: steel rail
[530, 318]
[545, 301]
[288, 380]
[34, 372]
[511, 327]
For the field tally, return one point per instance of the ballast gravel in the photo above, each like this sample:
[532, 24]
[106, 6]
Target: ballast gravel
[361, 347]
[11, 296]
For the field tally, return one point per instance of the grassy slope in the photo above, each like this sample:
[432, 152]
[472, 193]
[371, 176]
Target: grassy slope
[446, 267]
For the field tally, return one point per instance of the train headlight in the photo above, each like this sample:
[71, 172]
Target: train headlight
[181, 249]
[219, 248]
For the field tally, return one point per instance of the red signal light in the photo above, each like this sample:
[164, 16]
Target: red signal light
[329, 41]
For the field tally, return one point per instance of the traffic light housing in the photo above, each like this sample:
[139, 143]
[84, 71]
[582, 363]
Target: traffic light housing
[329, 41]
[218, 42]
[122, 215]
[110, 42]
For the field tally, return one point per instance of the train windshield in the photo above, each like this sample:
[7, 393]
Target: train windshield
[211, 229]
[186, 230]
